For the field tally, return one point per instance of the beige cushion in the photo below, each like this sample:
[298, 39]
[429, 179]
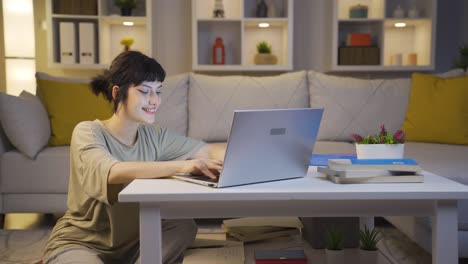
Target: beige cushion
[212, 100]
[356, 105]
[172, 113]
[48, 173]
[25, 122]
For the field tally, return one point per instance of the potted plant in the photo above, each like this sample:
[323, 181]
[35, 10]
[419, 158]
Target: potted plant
[125, 6]
[334, 250]
[462, 62]
[368, 239]
[381, 146]
[127, 43]
[264, 56]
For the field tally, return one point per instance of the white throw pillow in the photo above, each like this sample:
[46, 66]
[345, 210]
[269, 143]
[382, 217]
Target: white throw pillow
[25, 122]
[212, 100]
[172, 113]
[356, 105]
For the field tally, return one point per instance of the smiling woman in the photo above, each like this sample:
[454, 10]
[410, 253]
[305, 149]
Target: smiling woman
[107, 154]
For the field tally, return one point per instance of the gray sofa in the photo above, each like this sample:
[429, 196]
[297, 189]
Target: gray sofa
[200, 106]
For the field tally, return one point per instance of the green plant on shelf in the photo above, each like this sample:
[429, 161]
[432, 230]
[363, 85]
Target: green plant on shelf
[368, 238]
[263, 47]
[334, 239]
[129, 4]
[462, 61]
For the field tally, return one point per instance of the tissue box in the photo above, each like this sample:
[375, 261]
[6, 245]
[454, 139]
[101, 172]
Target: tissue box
[358, 11]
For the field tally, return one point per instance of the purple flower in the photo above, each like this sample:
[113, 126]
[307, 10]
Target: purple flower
[399, 136]
[383, 131]
[357, 137]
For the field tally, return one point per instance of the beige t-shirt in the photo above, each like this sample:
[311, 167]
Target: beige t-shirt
[94, 217]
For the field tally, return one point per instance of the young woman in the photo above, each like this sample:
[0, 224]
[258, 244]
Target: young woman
[106, 155]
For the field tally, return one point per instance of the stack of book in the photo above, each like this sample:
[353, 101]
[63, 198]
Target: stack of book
[257, 228]
[372, 170]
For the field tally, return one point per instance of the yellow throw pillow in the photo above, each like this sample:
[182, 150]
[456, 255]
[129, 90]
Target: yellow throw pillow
[437, 110]
[67, 104]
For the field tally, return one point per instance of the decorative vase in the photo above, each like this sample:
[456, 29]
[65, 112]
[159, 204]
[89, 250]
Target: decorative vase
[262, 9]
[265, 59]
[272, 11]
[368, 256]
[125, 11]
[334, 256]
[380, 151]
[398, 12]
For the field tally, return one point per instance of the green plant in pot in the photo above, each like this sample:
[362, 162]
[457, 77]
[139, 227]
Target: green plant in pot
[264, 56]
[125, 6]
[368, 239]
[462, 62]
[334, 240]
[381, 146]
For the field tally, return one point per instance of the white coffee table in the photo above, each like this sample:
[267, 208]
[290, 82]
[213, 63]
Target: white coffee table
[307, 197]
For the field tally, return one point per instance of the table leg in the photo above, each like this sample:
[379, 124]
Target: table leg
[150, 235]
[445, 232]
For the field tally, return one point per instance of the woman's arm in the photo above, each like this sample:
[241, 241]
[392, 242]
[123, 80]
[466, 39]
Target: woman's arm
[214, 151]
[125, 172]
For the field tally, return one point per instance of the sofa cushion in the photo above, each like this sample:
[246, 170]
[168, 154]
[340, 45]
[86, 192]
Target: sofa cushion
[48, 173]
[356, 105]
[437, 110]
[25, 122]
[212, 99]
[69, 103]
[172, 113]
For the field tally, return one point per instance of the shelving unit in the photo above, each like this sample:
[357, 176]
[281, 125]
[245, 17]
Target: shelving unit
[240, 32]
[86, 34]
[395, 44]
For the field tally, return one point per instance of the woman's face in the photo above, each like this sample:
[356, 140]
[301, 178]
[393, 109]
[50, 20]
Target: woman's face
[142, 102]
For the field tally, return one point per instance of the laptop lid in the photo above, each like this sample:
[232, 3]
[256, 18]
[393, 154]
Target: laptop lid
[269, 144]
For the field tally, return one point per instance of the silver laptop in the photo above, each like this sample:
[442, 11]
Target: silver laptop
[266, 145]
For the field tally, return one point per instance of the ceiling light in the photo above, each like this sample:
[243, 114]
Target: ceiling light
[400, 24]
[128, 23]
[263, 25]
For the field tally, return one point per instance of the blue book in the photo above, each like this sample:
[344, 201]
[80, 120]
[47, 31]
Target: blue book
[322, 159]
[367, 164]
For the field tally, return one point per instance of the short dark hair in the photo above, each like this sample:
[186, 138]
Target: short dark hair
[128, 68]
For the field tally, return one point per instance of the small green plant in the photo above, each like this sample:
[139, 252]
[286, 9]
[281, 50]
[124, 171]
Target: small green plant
[382, 138]
[264, 47]
[368, 238]
[462, 62]
[125, 3]
[334, 239]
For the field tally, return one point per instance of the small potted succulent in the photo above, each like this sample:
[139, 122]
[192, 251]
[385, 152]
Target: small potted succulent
[368, 239]
[381, 146]
[334, 249]
[264, 56]
[125, 6]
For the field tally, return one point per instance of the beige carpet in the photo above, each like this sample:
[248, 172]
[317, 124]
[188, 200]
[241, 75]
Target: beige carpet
[25, 246]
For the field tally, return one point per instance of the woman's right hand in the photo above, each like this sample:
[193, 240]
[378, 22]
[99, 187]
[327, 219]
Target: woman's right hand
[208, 167]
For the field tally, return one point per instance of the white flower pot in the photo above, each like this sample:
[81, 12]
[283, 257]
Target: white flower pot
[334, 256]
[368, 256]
[380, 151]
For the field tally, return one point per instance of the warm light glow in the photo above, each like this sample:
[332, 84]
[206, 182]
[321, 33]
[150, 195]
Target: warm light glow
[263, 25]
[18, 6]
[128, 23]
[400, 24]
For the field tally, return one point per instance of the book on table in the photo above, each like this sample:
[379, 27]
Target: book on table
[280, 256]
[373, 171]
[374, 164]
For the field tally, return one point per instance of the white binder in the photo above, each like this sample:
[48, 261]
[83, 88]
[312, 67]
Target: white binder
[67, 42]
[86, 40]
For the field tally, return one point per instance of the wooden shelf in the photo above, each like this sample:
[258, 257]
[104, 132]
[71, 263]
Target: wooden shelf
[101, 33]
[240, 32]
[418, 34]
